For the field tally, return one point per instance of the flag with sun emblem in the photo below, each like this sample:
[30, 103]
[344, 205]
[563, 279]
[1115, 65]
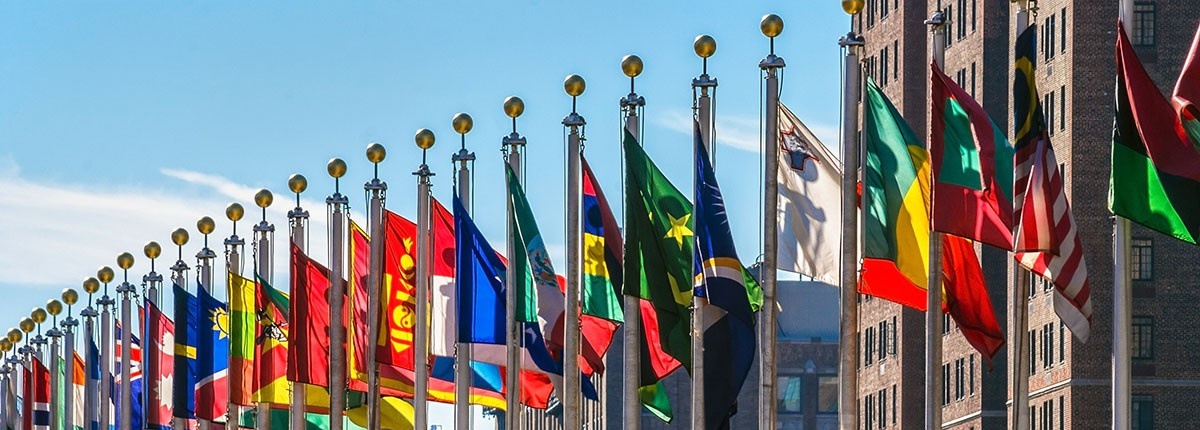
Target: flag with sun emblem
[212, 353]
[161, 375]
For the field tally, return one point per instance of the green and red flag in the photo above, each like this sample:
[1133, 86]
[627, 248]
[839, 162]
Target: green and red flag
[243, 329]
[1187, 93]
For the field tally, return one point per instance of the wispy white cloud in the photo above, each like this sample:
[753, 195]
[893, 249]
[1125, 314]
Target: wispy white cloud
[739, 131]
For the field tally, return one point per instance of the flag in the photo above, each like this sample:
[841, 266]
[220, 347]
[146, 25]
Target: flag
[972, 167]
[1155, 179]
[1046, 240]
[1187, 93]
[895, 205]
[810, 199]
[26, 400]
[243, 331]
[93, 380]
[183, 392]
[966, 297]
[729, 337]
[658, 270]
[78, 388]
[394, 414]
[212, 358]
[395, 343]
[444, 320]
[308, 335]
[38, 398]
[602, 243]
[162, 341]
[270, 385]
[136, 382]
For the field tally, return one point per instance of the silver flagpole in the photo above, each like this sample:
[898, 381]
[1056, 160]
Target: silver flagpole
[1020, 309]
[336, 207]
[27, 326]
[933, 313]
[1122, 402]
[54, 307]
[233, 265]
[424, 139]
[179, 277]
[705, 46]
[151, 283]
[462, 360]
[205, 258]
[513, 146]
[297, 183]
[377, 189]
[264, 233]
[771, 26]
[125, 261]
[91, 403]
[631, 405]
[847, 367]
[106, 343]
[572, 395]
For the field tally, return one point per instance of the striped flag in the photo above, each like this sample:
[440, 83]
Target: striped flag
[1045, 239]
[41, 396]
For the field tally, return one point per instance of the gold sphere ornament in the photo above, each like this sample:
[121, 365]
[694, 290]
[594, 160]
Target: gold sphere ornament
[336, 168]
[376, 153]
[631, 66]
[264, 198]
[54, 307]
[424, 138]
[39, 315]
[152, 250]
[15, 335]
[705, 46]
[462, 123]
[179, 237]
[235, 212]
[574, 85]
[105, 274]
[5, 345]
[771, 25]
[125, 260]
[70, 296]
[206, 225]
[27, 325]
[297, 183]
[91, 285]
[852, 7]
[514, 106]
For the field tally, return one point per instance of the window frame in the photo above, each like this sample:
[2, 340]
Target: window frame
[1141, 259]
[1141, 338]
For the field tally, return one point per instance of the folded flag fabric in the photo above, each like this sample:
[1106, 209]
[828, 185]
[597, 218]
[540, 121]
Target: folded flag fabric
[162, 368]
[308, 334]
[810, 199]
[187, 334]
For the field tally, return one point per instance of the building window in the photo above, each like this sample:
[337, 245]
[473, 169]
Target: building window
[883, 408]
[960, 370]
[1047, 346]
[1047, 286]
[945, 324]
[893, 404]
[1033, 282]
[883, 340]
[1143, 338]
[1050, 111]
[972, 371]
[945, 384]
[1048, 414]
[1143, 412]
[1032, 352]
[883, 65]
[892, 337]
[1144, 18]
[961, 24]
[1062, 43]
[1062, 413]
[869, 411]
[895, 59]
[870, 13]
[883, 9]
[790, 394]
[1141, 267]
[949, 13]
[972, 79]
[1062, 108]
[1062, 342]
[870, 346]
[974, 3]
[827, 395]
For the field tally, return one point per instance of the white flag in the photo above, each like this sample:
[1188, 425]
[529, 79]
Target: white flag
[810, 202]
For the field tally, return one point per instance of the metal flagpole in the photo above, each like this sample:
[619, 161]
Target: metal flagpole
[179, 277]
[233, 265]
[125, 261]
[336, 207]
[1122, 303]
[424, 140]
[1020, 310]
[297, 183]
[264, 234]
[512, 146]
[377, 189]
[705, 46]
[106, 340]
[852, 43]
[462, 360]
[150, 289]
[631, 405]
[54, 307]
[90, 402]
[572, 396]
[205, 226]
[933, 313]
[27, 326]
[5, 379]
[771, 26]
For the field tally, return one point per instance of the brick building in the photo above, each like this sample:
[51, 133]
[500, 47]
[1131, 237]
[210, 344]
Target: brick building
[1069, 381]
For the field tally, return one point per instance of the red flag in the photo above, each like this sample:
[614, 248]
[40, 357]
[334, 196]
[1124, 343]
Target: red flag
[308, 356]
[398, 300]
[26, 394]
[162, 370]
[967, 298]
[41, 396]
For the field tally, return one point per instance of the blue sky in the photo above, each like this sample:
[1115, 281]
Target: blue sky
[122, 121]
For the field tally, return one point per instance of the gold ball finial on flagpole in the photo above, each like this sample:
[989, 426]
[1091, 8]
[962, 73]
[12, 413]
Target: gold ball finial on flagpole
[27, 325]
[297, 183]
[424, 138]
[771, 25]
[152, 250]
[125, 261]
[180, 236]
[54, 307]
[514, 106]
[705, 46]
[375, 153]
[574, 85]
[462, 123]
[263, 198]
[852, 7]
[15, 335]
[235, 212]
[206, 225]
[38, 314]
[336, 168]
[631, 66]
[70, 296]
[91, 285]
[5, 345]
[105, 274]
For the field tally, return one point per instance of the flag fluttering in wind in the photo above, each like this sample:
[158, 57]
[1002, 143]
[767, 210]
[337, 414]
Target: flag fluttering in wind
[76, 389]
[1187, 93]
[161, 343]
[602, 244]
[308, 335]
[729, 337]
[399, 294]
[1045, 239]
[243, 331]
[94, 370]
[810, 199]
[972, 167]
[136, 382]
[270, 385]
[187, 311]
[37, 396]
[212, 359]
